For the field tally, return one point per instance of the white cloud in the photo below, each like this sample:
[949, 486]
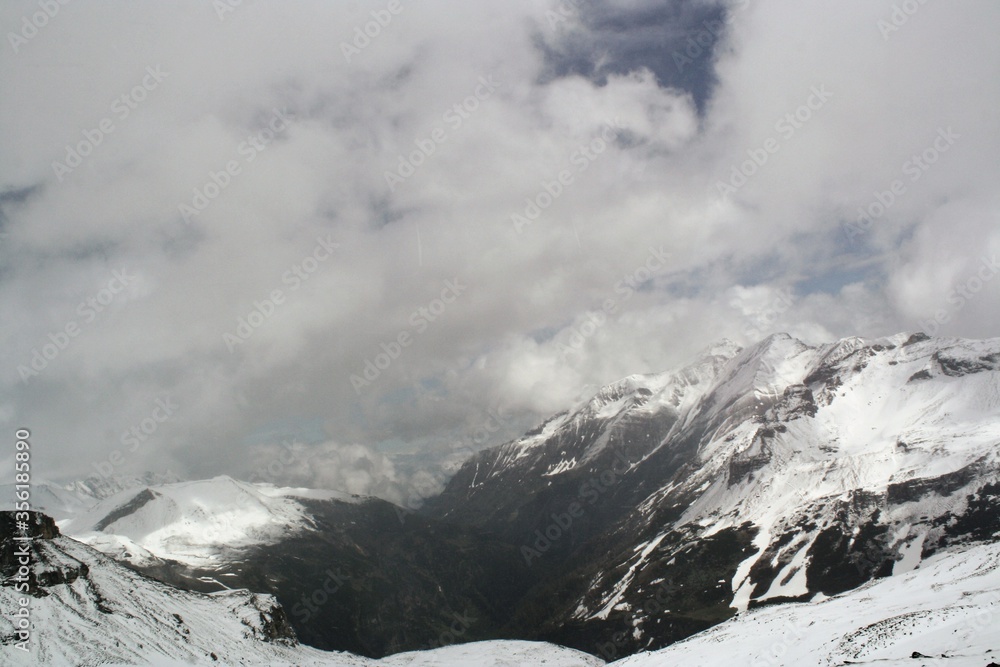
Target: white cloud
[773, 255]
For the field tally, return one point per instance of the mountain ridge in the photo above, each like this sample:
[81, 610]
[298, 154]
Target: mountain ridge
[794, 470]
[660, 506]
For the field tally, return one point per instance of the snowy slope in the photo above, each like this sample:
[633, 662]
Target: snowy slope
[196, 523]
[494, 654]
[890, 415]
[477, 654]
[947, 610]
[88, 610]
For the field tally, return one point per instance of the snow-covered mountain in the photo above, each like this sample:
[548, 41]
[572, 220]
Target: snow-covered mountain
[56, 500]
[354, 573]
[101, 486]
[664, 505]
[783, 471]
[196, 523]
[85, 609]
[66, 499]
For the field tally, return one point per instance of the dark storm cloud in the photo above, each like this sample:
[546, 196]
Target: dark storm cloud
[675, 39]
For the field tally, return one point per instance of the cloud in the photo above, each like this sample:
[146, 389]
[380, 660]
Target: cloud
[350, 468]
[340, 185]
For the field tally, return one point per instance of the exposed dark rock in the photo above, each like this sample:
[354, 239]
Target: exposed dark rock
[741, 466]
[128, 508]
[955, 367]
[40, 526]
[274, 624]
[981, 519]
[944, 485]
[41, 529]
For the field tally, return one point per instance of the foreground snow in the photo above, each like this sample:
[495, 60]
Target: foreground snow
[493, 654]
[948, 608]
[478, 654]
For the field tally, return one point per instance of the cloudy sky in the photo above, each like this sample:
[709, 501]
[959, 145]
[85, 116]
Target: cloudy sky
[341, 244]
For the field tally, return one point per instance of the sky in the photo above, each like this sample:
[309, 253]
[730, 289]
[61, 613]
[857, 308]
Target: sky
[346, 244]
